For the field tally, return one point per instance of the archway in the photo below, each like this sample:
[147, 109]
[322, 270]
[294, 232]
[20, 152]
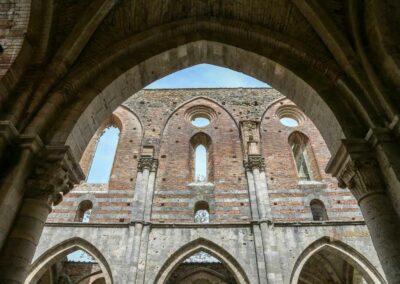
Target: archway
[202, 249]
[210, 52]
[336, 263]
[42, 267]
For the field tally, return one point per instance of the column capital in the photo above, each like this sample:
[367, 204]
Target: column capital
[147, 162]
[355, 167]
[254, 161]
[54, 175]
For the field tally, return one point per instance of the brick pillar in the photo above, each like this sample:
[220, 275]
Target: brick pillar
[53, 176]
[356, 167]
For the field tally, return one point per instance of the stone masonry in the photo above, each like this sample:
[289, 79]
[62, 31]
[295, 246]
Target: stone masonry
[142, 220]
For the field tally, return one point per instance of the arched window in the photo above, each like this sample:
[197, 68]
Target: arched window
[201, 212]
[202, 164]
[306, 165]
[84, 211]
[318, 210]
[103, 158]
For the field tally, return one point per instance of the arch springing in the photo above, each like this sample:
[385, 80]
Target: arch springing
[103, 159]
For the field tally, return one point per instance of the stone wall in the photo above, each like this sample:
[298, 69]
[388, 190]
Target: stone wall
[115, 244]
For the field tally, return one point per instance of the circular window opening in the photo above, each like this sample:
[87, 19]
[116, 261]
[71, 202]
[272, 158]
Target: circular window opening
[200, 121]
[289, 122]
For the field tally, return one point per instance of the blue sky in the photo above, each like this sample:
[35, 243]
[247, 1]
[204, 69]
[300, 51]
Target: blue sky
[198, 76]
[206, 76]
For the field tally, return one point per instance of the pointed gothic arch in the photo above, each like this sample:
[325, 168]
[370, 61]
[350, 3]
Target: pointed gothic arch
[342, 250]
[207, 246]
[54, 254]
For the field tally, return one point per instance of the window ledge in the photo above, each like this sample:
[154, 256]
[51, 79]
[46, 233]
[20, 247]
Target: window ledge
[313, 184]
[205, 184]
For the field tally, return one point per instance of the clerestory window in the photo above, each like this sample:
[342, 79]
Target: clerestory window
[103, 159]
[200, 163]
[306, 166]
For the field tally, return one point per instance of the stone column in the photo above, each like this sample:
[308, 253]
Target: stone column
[356, 167]
[143, 197]
[145, 182]
[150, 191]
[53, 177]
[12, 186]
[255, 163]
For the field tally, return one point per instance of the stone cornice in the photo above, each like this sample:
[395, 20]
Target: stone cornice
[211, 225]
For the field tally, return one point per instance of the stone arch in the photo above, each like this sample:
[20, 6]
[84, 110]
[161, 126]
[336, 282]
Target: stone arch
[342, 250]
[207, 246]
[211, 52]
[54, 254]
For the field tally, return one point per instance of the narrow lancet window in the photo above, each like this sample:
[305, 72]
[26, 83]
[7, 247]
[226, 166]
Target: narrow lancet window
[202, 213]
[303, 156]
[318, 210]
[202, 158]
[103, 159]
[200, 163]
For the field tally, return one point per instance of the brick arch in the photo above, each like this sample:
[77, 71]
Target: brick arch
[193, 100]
[176, 165]
[342, 250]
[54, 254]
[194, 247]
[130, 140]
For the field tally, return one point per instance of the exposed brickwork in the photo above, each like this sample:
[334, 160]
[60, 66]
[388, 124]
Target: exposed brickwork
[168, 130]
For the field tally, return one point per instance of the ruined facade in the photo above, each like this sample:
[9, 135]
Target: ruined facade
[66, 66]
[272, 213]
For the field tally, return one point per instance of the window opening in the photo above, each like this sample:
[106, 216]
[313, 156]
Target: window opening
[300, 157]
[201, 213]
[200, 121]
[103, 158]
[80, 256]
[303, 156]
[201, 257]
[318, 210]
[84, 211]
[200, 164]
[289, 122]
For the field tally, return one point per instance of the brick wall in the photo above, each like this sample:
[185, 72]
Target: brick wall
[157, 118]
